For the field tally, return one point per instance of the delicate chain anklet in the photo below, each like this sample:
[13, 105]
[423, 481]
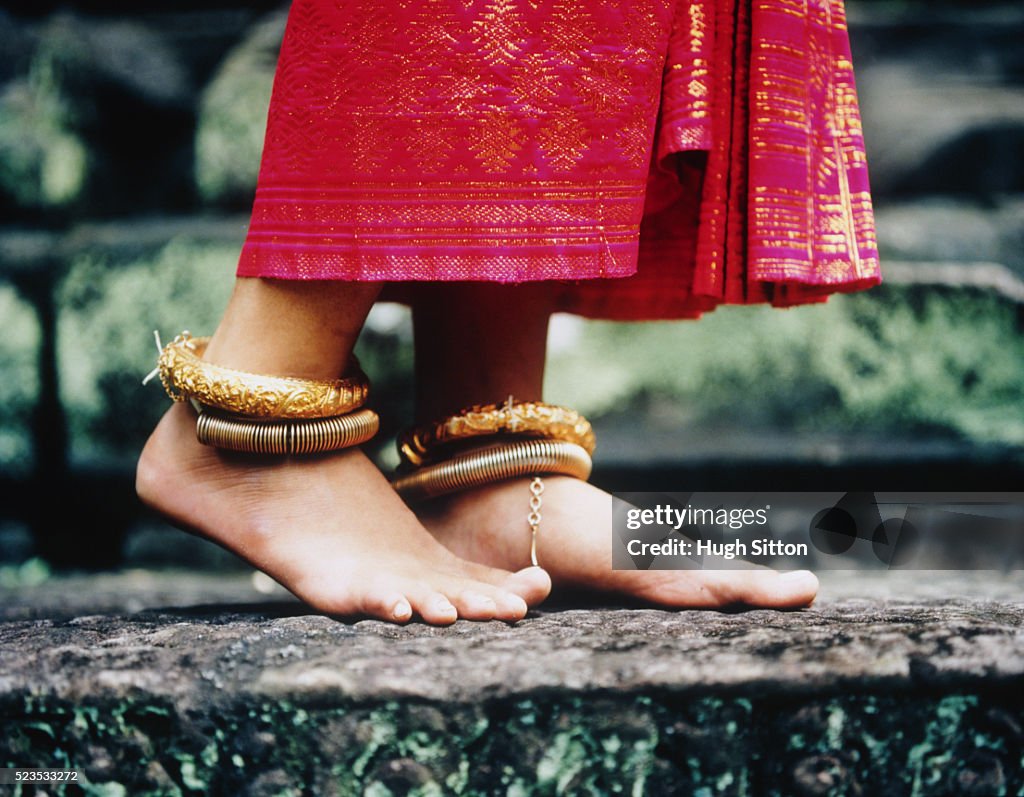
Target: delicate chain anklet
[534, 518]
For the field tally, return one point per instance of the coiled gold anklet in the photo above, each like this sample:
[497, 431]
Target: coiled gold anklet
[312, 436]
[493, 464]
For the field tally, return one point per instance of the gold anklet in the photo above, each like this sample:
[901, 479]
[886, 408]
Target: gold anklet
[551, 440]
[493, 464]
[526, 418]
[185, 375]
[311, 436]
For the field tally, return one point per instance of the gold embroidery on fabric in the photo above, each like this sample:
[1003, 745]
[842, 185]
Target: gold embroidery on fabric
[499, 138]
[432, 31]
[698, 27]
[430, 140]
[563, 139]
[604, 84]
[500, 30]
[632, 139]
[840, 245]
[431, 109]
[376, 139]
[641, 30]
[571, 31]
[536, 81]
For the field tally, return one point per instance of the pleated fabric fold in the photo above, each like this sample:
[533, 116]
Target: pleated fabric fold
[656, 158]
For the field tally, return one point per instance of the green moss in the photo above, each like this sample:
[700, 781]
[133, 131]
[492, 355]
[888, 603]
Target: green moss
[562, 762]
[913, 744]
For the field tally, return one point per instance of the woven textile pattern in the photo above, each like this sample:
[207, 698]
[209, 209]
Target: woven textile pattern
[657, 157]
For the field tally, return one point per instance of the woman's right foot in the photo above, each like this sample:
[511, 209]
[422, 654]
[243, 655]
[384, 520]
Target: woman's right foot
[329, 528]
[488, 525]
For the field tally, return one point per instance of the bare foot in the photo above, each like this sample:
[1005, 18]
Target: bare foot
[488, 525]
[329, 528]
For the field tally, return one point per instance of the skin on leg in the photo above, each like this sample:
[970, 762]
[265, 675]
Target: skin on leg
[476, 343]
[479, 342]
[328, 527]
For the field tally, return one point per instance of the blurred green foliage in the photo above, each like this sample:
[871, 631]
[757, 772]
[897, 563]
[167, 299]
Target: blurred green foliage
[43, 163]
[19, 383]
[233, 116]
[105, 336]
[106, 345]
[904, 360]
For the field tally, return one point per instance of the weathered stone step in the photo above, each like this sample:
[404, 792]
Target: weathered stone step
[891, 684]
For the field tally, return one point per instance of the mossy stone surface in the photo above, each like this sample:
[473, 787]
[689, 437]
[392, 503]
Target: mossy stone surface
[881, 688]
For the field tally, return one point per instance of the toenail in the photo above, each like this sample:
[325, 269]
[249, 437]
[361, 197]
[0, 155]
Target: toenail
[402, 610]
[443, 605]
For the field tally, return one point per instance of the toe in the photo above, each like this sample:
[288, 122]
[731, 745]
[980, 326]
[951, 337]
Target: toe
[769, 589]
[389, 605]
[511, 607]
[713, 589]
[795, 589]
[474, 605]
[532, 584]
[503, 604]
[382, 598]
[433, 606]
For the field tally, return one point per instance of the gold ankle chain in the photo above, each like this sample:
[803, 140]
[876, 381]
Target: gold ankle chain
[515, 440]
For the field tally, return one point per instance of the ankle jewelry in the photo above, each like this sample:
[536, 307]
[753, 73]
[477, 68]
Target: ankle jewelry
[512, 440]
[494, 463]
[262, 414]
[186, 375]
[312, 436]
[534, 518]
[522, 418]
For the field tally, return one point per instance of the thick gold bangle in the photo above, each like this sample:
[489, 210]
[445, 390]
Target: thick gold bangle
[186, 375]
[493, 464]
[308, 436]
[527, 418]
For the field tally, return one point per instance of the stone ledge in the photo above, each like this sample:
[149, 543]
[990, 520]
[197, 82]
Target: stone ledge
[195, 656]
[893, 683]
[276, 649]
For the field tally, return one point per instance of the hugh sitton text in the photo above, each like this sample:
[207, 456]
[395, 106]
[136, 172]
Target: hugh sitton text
[727, 550]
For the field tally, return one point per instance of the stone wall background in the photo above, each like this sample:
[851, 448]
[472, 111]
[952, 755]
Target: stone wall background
[129, 144]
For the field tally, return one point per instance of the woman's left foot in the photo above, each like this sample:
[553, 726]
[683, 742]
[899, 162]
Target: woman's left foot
[488, 525]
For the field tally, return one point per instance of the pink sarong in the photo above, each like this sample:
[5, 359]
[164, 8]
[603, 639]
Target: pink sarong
[657, 157]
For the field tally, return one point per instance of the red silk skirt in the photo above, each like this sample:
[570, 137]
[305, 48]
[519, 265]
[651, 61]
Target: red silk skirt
[656, 158]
